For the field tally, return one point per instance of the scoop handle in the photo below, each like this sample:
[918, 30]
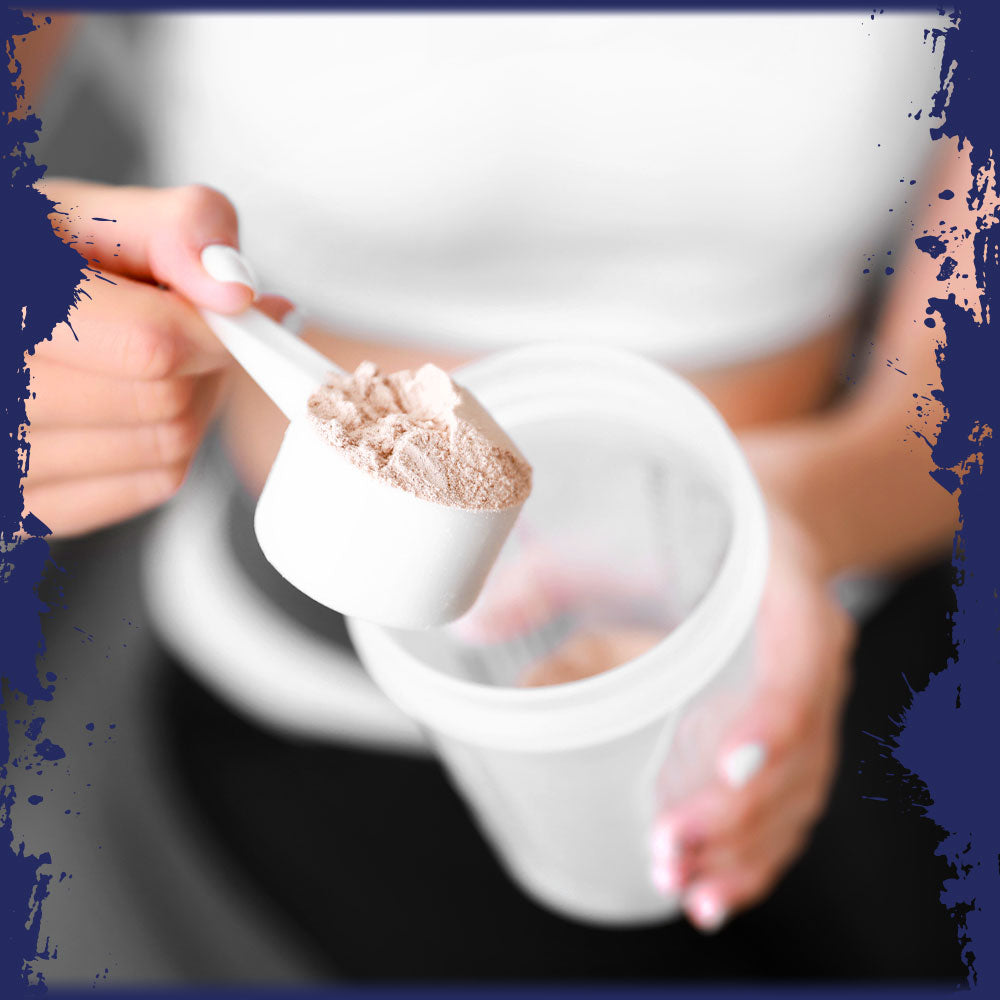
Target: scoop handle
[285, 367]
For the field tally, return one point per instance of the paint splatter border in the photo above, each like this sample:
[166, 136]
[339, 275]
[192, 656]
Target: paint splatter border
[39, 283]
[949, 738]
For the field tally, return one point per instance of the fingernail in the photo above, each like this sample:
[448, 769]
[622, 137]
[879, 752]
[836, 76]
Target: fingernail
[741, 764]
[664, 843]
[667, 879]
[225, 263]
[706, 912]
[295, 321]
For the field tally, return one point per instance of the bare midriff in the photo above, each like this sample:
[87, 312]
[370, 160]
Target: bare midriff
[778, 387]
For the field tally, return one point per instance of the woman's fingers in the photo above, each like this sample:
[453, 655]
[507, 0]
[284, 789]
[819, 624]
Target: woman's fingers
[722, 813]
[787, 748]
[784, 739]
[62, 397]
[67, 453]
[725, 873]
[792, 801]
[718, 818]
[75, 507]
[122, 393]
[158, 235]
[762, 785]
[714, 896]
[130, 330]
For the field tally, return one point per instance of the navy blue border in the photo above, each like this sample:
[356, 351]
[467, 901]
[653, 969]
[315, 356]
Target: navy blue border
[567, 7]
[950, 737]
[534, 991]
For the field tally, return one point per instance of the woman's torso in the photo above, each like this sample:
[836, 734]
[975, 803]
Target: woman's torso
[707, 189]
[704, 189]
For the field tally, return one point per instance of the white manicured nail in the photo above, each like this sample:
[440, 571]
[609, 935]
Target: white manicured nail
[295, 322]
[667, 880]
[706, 912]
[664, 843]
[741, 764]
[224, 263]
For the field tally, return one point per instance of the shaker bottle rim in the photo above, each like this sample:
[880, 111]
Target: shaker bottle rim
[538, 383]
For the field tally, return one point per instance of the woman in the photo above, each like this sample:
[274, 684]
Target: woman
[714, 192]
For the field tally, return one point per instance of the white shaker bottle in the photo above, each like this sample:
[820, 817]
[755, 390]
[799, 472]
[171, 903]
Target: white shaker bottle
[565, 781]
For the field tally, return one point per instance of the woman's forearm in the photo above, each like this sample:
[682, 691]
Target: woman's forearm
[859, 476]
[861, 488]
[39, 51]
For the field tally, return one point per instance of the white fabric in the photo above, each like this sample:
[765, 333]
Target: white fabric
[700, 187]
[242, 646]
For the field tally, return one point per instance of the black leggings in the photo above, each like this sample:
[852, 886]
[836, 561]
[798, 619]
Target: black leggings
[374, 860]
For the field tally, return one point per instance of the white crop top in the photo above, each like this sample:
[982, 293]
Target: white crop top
[699, 187]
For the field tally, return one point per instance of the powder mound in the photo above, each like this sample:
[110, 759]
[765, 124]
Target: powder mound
[589, 653]
[420, 432]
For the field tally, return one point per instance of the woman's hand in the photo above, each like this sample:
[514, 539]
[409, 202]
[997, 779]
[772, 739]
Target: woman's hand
[118, 409]
[862, 484]
[725, 848]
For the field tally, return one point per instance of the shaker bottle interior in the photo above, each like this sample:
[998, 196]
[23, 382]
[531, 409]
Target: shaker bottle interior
[621, 537]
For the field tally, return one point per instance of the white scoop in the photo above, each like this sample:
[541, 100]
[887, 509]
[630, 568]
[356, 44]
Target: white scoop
[346, 539]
